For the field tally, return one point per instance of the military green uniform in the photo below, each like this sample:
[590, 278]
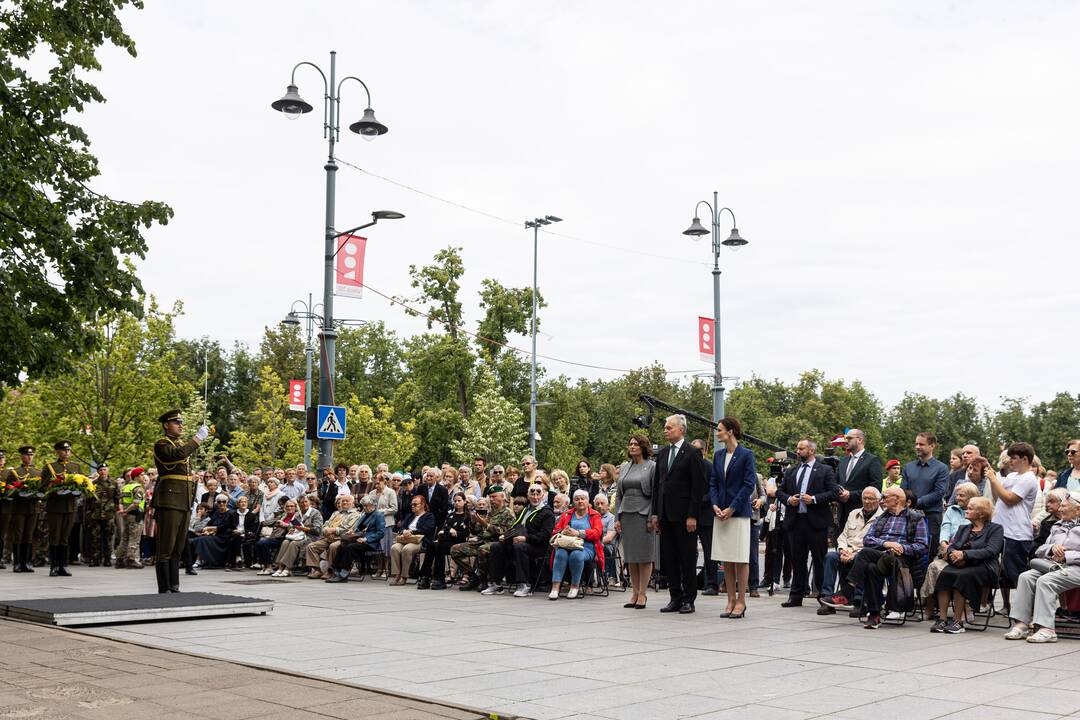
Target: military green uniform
[174, 494]
[133, 503]
[59, 511]
[100, 521]
[499, 522]
[24, 512]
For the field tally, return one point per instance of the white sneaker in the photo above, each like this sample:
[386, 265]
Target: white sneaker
[572, 594]
[554, 594]
[1043, 635]
[491, 589]
[524, 591]
[1019, 631]
[256, 566]
[894, 615]
[265, 571]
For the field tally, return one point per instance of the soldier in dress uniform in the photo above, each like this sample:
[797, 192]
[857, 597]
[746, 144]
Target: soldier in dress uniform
[100, 519]
[24, 511]
[173, 496]
[59, 509]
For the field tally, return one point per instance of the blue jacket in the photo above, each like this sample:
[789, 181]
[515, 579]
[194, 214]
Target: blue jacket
[928, 483]
[426, 528]
[372, 526]
[1063, 477]
[734, 488]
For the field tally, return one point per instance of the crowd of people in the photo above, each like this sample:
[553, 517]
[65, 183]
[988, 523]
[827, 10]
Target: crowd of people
[880, 540]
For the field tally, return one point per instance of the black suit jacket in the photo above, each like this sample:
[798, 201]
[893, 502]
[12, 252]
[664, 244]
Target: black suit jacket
[867, 473]
[822, 485]
[439, 504]
[677, 493]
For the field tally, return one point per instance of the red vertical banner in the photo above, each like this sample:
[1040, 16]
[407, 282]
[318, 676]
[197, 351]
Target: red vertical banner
[705, 341]
[349, 268]
[296, 394]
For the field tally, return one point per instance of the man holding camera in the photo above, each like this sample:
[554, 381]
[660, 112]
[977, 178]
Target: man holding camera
[488, 526]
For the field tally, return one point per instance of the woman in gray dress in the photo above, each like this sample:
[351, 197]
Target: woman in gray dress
[633, 506]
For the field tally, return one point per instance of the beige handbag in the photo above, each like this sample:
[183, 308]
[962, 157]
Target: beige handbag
[568, 542]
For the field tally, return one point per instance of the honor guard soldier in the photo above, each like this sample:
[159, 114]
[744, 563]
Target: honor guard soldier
[173, 497]
[24, 510]
[59, 509]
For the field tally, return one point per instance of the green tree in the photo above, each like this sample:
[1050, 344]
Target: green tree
[374, 437]
[65, 248]
[1056, 422]
[195, 415]
[282, 350]
[496, 428]
[109, 402]
[369, 362]
[269, 435]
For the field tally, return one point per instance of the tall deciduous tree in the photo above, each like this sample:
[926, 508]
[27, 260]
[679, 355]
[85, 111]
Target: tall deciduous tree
[63, 246]
[374, 437]
[270, 435]
[496, 428]
[369, 362]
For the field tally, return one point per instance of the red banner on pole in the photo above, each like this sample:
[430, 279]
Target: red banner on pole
[296, 394]
[349, 269]
[705, 338]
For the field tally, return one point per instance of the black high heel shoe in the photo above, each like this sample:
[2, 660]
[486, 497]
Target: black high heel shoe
[630, 605]
[738, 615]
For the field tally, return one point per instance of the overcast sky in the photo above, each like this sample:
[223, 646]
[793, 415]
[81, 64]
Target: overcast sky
[906, 174]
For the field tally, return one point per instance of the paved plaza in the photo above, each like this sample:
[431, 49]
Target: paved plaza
[582, 659]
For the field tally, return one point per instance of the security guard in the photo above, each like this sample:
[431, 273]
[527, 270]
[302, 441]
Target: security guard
[59, 509]
[132, 506]
[173, 496]
[24, 511]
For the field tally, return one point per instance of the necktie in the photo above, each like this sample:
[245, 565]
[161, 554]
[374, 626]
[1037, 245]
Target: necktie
[671, 456]
[803, 474]
[851, 466]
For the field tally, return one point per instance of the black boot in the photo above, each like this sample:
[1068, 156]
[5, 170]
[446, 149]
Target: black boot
[53, 571]
[472, 584]
[28, 557]
[62, 561]
[162, 570]
[174, 575]
[3, 566]
[16, 557]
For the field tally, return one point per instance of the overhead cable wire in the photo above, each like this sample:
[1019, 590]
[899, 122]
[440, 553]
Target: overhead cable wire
[515, 223]
[414, 311]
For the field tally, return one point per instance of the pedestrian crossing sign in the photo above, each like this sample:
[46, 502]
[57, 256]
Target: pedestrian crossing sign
[331, 423]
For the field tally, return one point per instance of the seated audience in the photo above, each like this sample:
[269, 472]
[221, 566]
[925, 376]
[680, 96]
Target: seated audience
[899, 535]
[213, 543]
[280, 525]
[972, 564]
[454, 529]
[488, 525]
[246, 532]
[952, 520]
[344, 518]
[611, 537]
[1055, 570]
[527, 540]
[850, 541]
[198, 521]
[577, 539]
[364, 537]
[560, 504]
[295, 542]
[417, 531]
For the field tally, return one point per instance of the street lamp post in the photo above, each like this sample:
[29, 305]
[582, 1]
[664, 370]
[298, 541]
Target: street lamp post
[734, 241]
[294, 319]
[292, 105]
[535, 224]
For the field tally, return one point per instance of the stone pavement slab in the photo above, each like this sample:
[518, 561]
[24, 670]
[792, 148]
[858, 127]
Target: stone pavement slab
[532, 658]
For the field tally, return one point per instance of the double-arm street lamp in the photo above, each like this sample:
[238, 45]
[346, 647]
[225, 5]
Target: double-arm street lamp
[292, 105]
[733, 241]
[535, 224]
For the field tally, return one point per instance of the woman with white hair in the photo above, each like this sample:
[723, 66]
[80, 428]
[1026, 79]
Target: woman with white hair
[575, 540]
[1055, 569]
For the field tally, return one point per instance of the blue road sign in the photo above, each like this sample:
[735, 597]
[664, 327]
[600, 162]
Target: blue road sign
[331, 423]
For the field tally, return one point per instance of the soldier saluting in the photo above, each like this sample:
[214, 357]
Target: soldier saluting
[59, 508]
[24, 510]
[173, 496]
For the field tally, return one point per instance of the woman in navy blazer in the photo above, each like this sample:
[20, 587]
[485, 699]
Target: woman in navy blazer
[730, 487]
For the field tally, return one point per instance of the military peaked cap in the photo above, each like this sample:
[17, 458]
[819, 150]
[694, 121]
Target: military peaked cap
[172, 415]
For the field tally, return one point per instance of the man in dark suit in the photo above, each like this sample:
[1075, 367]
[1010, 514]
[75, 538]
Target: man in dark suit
[436, 494]
[859, 470]
[705, 526]
[807, 490]
[678, 487]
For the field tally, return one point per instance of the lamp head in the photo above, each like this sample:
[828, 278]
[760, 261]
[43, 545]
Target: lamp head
[368, 127]
[292, 104]
[291, 319]
[552, 219]
[734, 240]
[387, 215]
[696, 229]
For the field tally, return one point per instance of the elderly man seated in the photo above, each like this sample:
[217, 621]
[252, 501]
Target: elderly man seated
[527, 540]
[343, 519]
[357, 541]
[1054, 570]
[850, 541]
[488, 524]
[610, 538]
[898, 535]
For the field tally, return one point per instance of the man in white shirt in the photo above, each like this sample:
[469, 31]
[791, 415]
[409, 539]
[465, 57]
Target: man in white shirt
[1015, 495]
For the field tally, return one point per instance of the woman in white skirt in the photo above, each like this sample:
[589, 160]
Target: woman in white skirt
[732, 482]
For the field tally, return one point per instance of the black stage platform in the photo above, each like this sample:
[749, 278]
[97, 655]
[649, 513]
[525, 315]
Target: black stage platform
[109, 609]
